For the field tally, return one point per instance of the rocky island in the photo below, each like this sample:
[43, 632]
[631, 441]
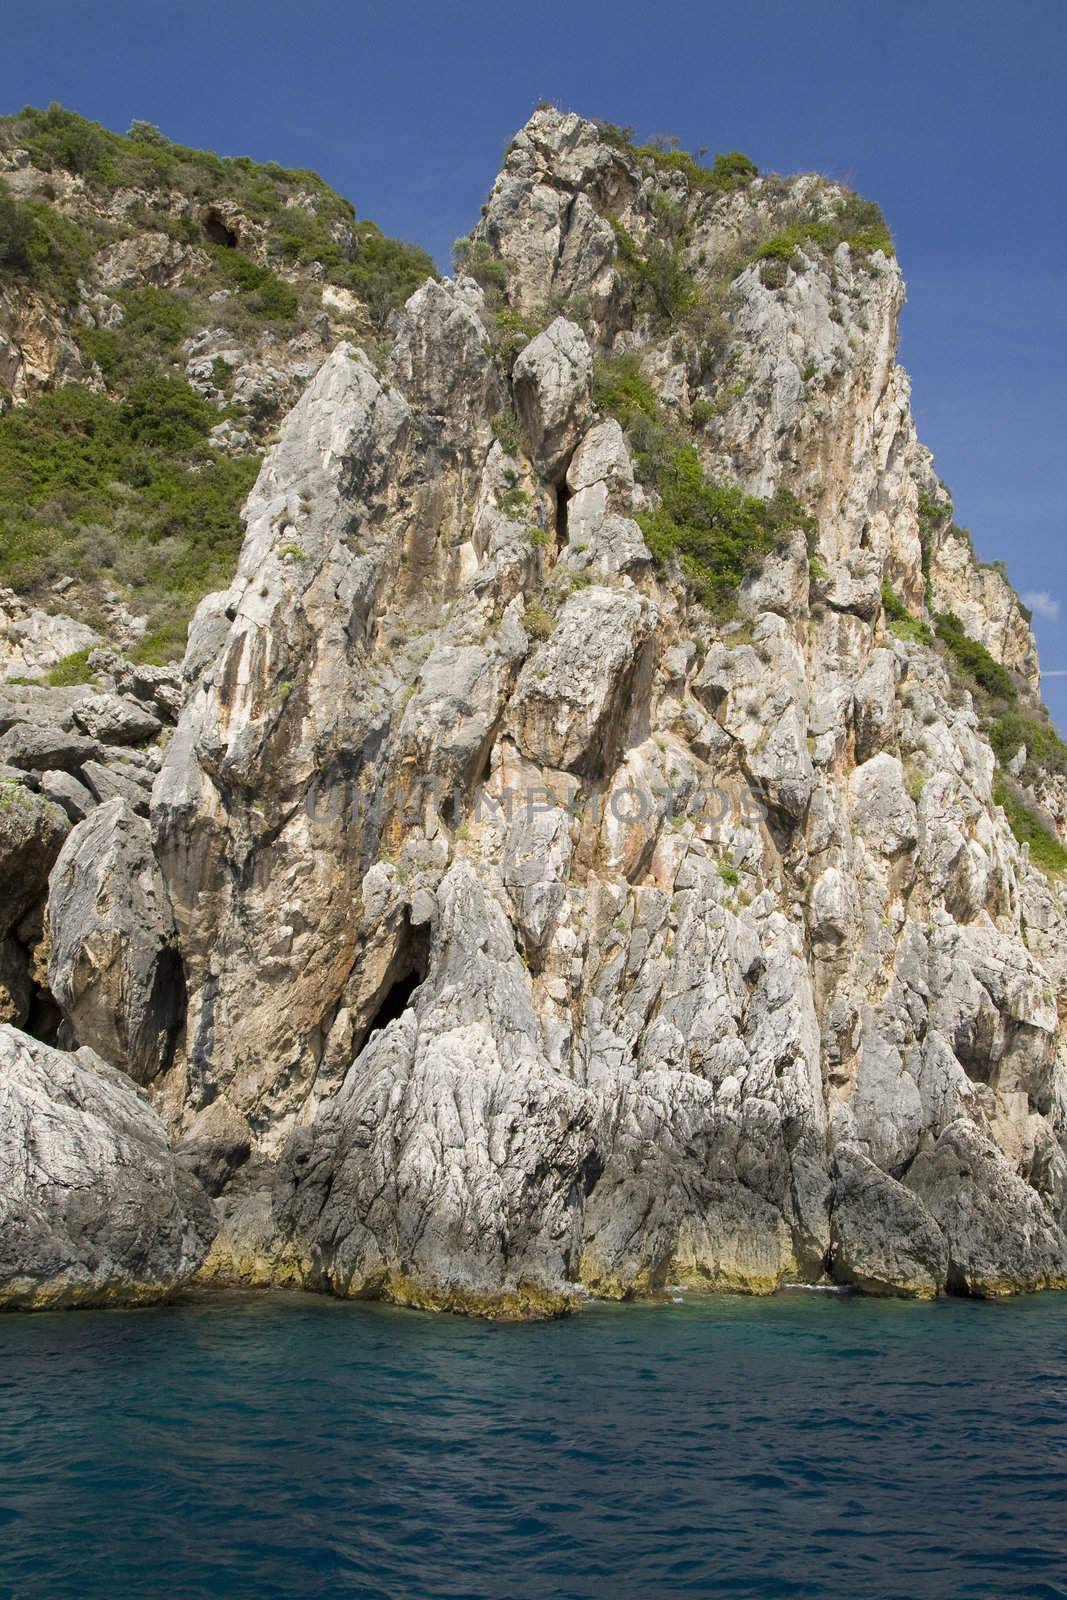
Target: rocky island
[601, 832]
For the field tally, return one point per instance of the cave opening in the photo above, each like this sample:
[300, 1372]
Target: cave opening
[44, 1019]
[563, 496]
[408, 970]
[218, 232]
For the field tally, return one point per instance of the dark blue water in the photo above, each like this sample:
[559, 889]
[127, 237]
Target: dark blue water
[290, 1447]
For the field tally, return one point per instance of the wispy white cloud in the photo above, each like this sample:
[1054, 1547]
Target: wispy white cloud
[1054, 672]
[1043, 604]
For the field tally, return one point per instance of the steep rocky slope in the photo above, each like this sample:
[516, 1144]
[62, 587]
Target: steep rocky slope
[589, 853]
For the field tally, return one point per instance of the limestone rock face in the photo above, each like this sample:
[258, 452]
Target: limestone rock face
[94, 1209]
[508, 923]
[576, 692]
[32, 830]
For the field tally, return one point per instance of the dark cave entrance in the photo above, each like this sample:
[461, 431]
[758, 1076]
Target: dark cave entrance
[45, 1018]
[218, 232]
[395, 1002]
[563, 496]
[407, 970]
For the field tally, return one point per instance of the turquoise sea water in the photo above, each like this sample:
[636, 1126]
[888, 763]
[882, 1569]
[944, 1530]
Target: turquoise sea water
[289, 1447]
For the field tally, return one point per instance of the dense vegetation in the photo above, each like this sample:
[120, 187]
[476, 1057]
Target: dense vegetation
[974, 660]
[901, 622]
[856, 222]
[123, 490]
[127, 491]
[714, 533]
[1029, 828]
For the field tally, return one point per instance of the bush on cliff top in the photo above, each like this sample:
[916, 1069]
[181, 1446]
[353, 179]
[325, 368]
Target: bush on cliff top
[730, 171]
[40, 245]
[855, 222]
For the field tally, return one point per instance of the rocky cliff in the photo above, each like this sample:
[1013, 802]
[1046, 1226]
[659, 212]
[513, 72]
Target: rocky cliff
[609, 834]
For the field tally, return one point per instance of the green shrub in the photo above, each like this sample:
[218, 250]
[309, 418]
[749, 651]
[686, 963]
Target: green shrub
[974, 660]
[900, 620]
[537, 620]
[515, 502]
[1028, 828]
[715, 533]
[1045, 750]
[718, 534]
[619, 138]
[14, 228]
[383, 272]
[932, 513]
[512, 332]
[73, 669]
[265, 294]
[128, 489]
[41, 246]
[475, 258]
[912, 629]
[56, 137]
[730, 171]
[506, 430]
[659, 277]
[728, 873]
[621, 391]
[855, 222]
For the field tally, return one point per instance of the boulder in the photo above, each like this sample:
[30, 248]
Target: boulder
[114, 719]
[882, 1238]
[66, 792]
[111, 783]
[94, 1208]
[113, 966]
[552, 382]
[38, 748]
[1001, 1239]
[32, 830]
[572, 697]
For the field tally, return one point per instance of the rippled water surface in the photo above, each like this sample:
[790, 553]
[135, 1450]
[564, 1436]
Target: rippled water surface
[285, 1446]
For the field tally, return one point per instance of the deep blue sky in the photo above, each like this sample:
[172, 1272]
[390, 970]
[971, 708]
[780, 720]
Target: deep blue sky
[951, 114]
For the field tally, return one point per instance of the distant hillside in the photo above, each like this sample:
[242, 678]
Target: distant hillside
[160, 309]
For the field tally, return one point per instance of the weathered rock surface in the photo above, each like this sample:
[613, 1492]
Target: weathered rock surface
[94, 1208]
[552, 386]
[116, 720]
